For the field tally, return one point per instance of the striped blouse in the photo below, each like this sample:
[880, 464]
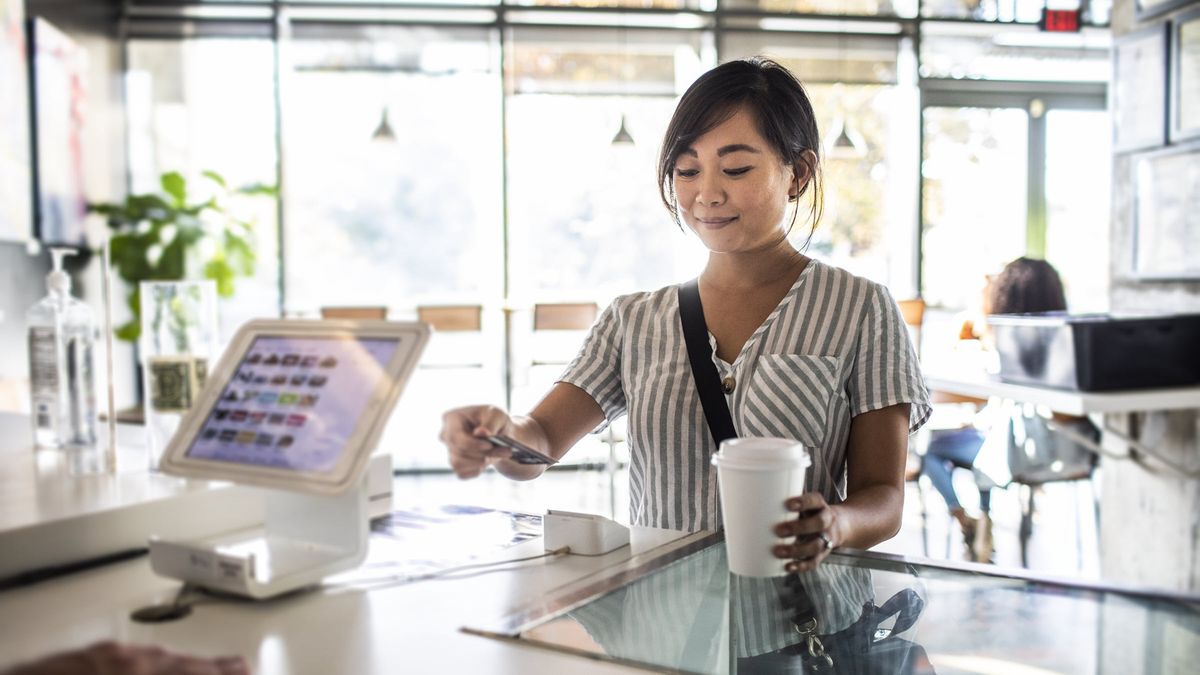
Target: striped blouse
[833, 348]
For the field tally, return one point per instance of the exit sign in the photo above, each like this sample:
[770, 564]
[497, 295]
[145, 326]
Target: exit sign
[1060, 20]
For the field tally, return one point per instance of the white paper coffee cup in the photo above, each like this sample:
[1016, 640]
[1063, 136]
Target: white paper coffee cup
[756, 476]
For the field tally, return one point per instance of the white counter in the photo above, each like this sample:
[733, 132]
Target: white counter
[413, 628]
[52, 515]
[981, 385]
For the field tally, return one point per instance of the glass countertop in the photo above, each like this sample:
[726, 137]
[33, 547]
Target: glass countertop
[869, 613]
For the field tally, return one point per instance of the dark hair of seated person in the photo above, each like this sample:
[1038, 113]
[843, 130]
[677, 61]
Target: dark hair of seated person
[1026, 285]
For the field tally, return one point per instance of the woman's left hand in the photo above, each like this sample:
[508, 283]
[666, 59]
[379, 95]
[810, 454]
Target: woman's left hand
[815, 529]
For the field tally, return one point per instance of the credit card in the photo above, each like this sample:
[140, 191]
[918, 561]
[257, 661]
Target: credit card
[521, 453]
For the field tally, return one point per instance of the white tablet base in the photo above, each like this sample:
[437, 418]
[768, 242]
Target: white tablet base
[305, 538]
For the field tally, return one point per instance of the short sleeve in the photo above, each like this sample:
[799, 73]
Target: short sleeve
[597, 367]
[885, 371]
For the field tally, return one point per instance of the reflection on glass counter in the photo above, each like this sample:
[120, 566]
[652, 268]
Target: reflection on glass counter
[862, 613]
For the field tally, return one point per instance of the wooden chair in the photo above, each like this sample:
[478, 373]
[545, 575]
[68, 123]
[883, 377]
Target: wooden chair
[452, 346]
[578, 316]
[346, 312]
[912, 311]
[452, 318]
[560, 316]
[564, 315]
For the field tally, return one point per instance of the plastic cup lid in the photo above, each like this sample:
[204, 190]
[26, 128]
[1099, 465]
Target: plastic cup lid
[762, 452]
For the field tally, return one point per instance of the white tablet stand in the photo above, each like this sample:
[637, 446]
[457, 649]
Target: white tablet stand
[315, 522]
[305, 538]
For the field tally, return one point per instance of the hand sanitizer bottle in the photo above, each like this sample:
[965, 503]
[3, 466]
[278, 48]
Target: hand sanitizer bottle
[62, 334]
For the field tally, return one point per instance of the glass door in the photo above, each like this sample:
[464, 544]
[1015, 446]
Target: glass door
[974, 196]
[1011, 174]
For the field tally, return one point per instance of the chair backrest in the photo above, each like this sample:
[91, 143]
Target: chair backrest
[365, 312]
[452, 318]
[564, 315]
[1039, 453]
[912, 311]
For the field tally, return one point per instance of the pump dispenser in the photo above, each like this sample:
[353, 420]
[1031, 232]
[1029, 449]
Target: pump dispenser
[62, 336]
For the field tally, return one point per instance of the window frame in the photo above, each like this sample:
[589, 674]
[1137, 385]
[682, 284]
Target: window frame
[942, 93]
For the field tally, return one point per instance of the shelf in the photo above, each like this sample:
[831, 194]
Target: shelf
[1064, 401]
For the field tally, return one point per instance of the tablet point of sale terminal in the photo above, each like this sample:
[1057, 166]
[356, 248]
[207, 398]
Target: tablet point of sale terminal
[295, 408]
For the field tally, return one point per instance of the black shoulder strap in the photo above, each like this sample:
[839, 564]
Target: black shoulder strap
[704, 372]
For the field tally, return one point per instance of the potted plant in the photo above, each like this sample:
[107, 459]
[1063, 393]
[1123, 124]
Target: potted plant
[175, 235]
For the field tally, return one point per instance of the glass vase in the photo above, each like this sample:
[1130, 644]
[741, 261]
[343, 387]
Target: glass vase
[178, 343]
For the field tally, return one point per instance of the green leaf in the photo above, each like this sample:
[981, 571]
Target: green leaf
[260, 189]
[138, 222]
[220, 272]
[129, 257]
[173, 263]
[131, 331]
[240, 253]
[174, 184]
[214, 177]
[135, 300]
[104, 209]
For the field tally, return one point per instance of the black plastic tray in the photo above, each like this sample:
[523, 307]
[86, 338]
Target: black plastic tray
[1098, 352]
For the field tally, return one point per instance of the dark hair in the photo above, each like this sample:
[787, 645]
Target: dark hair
[780, 105]
[1027, 285]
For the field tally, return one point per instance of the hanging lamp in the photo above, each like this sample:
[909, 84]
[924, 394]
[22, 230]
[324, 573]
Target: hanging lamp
[622, 137]
[383, 132]
[847, 144]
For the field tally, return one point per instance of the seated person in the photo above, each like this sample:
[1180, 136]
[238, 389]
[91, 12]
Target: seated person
[1025, 285]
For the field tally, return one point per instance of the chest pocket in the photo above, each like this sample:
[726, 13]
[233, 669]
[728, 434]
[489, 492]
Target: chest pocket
[790, 396]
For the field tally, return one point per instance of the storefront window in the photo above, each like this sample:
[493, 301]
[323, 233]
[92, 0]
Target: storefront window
[863, 113]
[975, 178]
[585, 217]
[208, 105]
[392, 189]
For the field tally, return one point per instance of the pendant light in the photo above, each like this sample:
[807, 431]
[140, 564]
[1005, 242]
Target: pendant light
[384, 132]
[623, 136]
[847, 144]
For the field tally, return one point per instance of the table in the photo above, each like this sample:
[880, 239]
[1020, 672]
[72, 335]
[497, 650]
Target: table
[979, 384]
[684, 611]
[1148, 494]
[1114, 442]
[51, 515]
[406, 628]
[637, 598]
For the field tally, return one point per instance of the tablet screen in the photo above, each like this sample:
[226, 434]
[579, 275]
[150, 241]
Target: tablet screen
[293, 402]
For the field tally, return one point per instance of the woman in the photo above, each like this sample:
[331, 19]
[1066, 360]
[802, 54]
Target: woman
[1026, 285]
[806, 351]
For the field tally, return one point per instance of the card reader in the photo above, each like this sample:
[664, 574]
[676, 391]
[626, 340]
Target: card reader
[583, 533]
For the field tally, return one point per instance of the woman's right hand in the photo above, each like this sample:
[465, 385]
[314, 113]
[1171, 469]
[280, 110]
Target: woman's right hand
[465, 431]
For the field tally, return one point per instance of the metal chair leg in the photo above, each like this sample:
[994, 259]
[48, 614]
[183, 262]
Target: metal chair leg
[924, 515]
[1026, 529]
[1078, 529]
[610, 468]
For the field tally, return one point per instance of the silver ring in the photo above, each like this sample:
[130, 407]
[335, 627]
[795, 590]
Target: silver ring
[825, 538]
